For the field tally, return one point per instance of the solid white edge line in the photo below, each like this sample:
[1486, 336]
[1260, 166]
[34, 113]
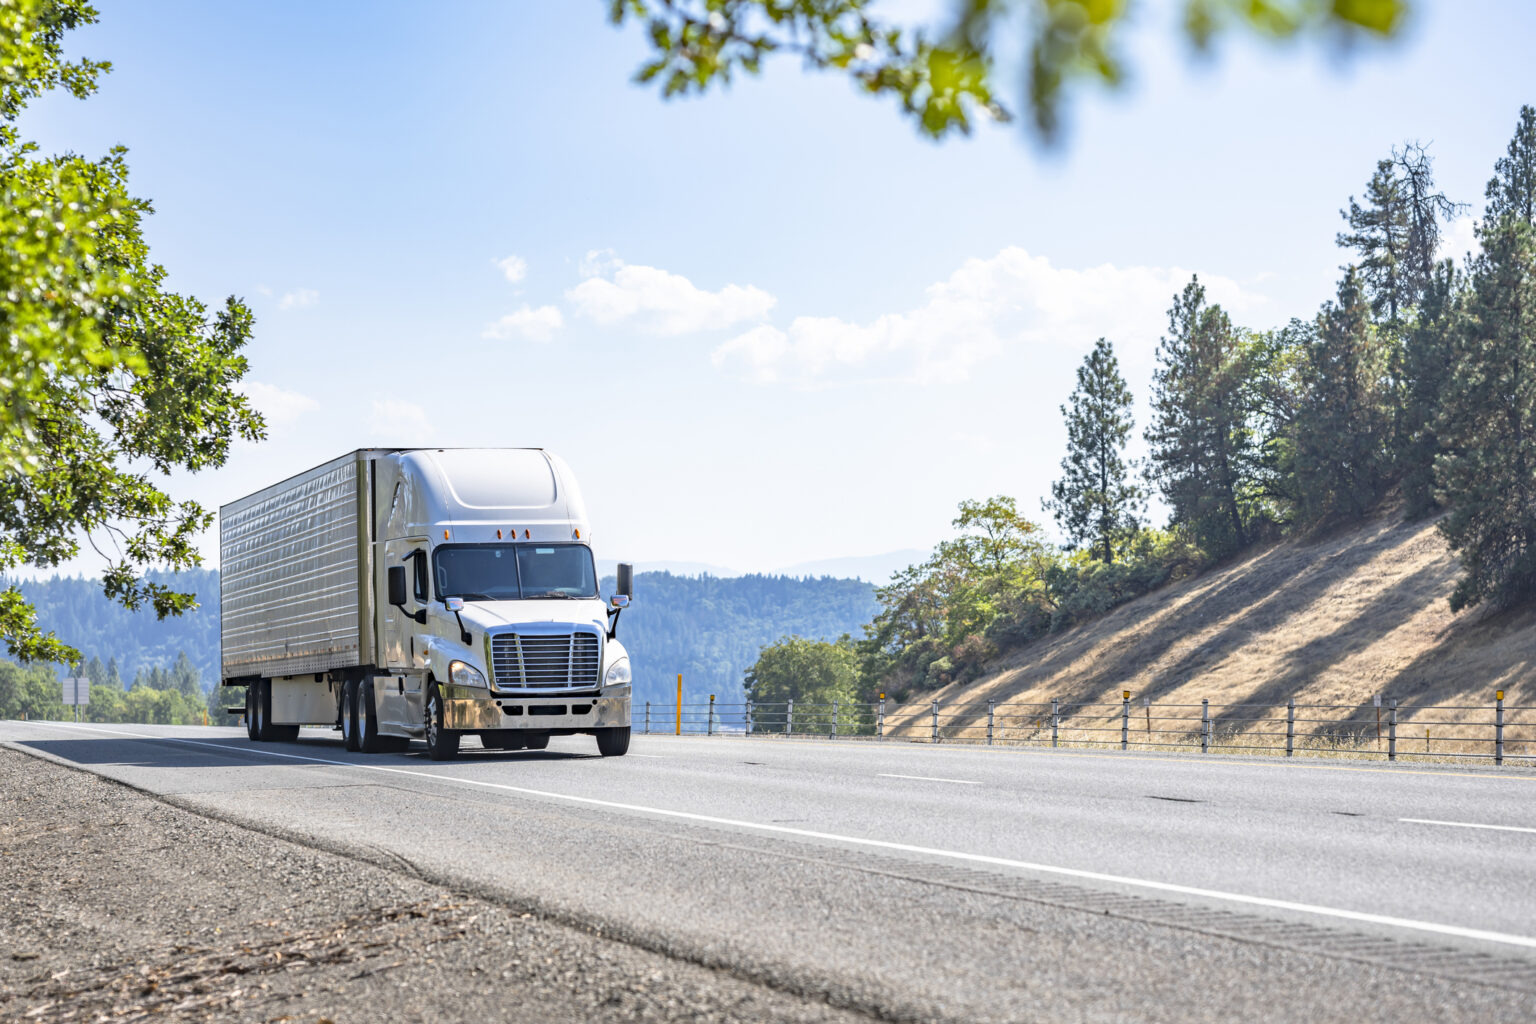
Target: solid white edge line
[1362, 917]
[927, 778]
[1466, 824]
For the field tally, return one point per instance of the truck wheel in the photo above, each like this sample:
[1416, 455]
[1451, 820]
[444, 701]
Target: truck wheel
[442, 744]
[349, 730]
[535, 740]
[252, 730]
[368, 738]
[613, 742]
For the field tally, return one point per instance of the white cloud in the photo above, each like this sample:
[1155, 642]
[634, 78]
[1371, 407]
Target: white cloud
[514, 267]
[396, 421]
[986, 306]
[278, 406]
[534, 324]
[659, 302]
[1457, 239]
[299, 298]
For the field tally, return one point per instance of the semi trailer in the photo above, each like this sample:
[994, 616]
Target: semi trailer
[403, 594]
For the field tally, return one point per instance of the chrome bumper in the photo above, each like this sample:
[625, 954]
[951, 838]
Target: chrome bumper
[477, 714]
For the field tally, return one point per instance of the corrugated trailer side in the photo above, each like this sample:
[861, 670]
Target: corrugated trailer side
[295, 593]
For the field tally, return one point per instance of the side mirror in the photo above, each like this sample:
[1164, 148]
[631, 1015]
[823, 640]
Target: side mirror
[397, 585]
[626, 580]
[454, 604]
[620, 600]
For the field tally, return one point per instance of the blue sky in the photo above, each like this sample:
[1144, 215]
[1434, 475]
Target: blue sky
[766, 327]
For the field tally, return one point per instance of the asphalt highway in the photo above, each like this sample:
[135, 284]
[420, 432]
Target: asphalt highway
[922, 882]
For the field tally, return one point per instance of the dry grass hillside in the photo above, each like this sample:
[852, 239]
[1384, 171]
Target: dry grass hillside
[1329, 620]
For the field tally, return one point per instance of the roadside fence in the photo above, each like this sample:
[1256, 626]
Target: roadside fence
[1379, 728]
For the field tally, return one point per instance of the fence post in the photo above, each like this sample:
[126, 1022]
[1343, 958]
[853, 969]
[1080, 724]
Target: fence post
[1125, 718]
[1498, 728]
[749, 718]
[1392, 732]
[991, 707]
[1055, 718]
[935, 721]
[647, 716]
[834, 719]
[709, 730]
[1205, 725]
[789, 718]
[880, 719]
[1290, 727]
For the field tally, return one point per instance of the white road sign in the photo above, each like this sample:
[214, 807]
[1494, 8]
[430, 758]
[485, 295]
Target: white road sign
[77, 690]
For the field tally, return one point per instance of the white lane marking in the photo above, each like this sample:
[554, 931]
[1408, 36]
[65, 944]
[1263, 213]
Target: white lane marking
[1432, 927]
[927, 778]
[1466, 824]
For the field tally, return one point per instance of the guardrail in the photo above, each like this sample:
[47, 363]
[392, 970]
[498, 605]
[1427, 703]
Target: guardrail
[1382, 728]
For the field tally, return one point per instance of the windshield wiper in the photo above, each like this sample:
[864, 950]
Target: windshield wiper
[557, 594]
[476, 597]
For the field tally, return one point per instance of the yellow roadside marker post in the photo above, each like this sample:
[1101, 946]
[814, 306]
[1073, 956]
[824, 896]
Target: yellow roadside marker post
[1498, 727]
[679, 703]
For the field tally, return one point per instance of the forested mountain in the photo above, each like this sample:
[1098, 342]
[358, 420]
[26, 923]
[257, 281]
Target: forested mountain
[707, 628]
[711, 629]
[73, 607]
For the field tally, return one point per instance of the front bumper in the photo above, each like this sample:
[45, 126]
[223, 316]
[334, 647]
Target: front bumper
[479, 714]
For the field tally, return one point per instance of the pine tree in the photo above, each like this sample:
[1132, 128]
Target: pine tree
[1203, 455]
[95, 671]
[1095, 502]
[1487, 470]
[1426, 207]
[1512, 190]
[1429, 356]
[114, 677]
[184, 677]
[1342, 451]
[1379, 234]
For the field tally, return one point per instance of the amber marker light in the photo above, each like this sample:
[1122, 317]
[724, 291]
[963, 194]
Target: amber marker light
[498, 535]
[577, 533]
[445, 535]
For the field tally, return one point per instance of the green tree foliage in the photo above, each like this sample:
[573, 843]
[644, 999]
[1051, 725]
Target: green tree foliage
[1487, 468]
[812, 673]
[103, 369]
[1429, 357]
[945, 82]
[35, 692]
[1204, 454]
[1378, 232]
[1096, 503]
[1343, 431]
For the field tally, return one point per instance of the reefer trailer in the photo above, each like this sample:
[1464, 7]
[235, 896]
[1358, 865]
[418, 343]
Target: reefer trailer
[423, 593]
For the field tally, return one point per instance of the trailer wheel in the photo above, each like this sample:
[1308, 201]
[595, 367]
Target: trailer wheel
[349, 730]
[613, 742]
[252, 702]
[442, 744]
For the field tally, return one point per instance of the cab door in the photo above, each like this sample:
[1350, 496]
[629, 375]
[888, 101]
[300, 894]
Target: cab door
[405, 656]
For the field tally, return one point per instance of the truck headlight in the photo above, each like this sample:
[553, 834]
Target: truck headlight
[463, 674]
[618, 673]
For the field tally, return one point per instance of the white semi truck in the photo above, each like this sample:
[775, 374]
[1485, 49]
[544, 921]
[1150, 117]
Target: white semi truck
[423, 593]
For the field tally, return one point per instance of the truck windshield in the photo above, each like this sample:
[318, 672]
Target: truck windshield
[509, 572]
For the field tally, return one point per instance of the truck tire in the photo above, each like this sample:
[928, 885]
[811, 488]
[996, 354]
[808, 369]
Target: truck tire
[266, 729]
[349, 729]
[369, 739]
[613, 742]
[251, 730]
[442, 744]
[535, 740]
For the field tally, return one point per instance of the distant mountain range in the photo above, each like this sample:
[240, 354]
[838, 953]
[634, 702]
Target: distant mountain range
[874, 569]
[708, 627]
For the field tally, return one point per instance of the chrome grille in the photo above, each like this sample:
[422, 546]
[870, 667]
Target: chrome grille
[546, 662]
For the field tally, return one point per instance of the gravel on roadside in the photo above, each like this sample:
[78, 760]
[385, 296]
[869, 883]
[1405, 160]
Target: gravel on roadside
[116, 906]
